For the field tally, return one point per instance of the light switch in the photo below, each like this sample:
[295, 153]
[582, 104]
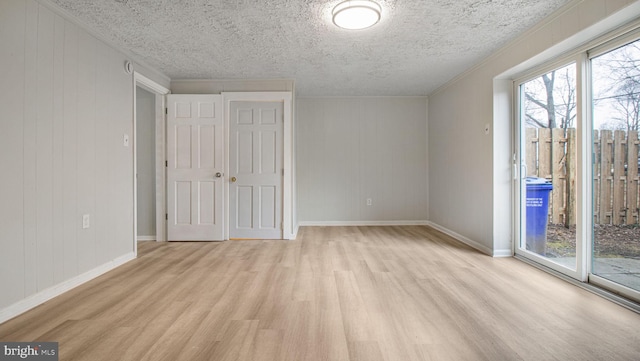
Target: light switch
[487, 128]
[125, 140]
[85, 221]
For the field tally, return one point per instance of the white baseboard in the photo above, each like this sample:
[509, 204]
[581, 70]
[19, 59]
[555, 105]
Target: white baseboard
[146, 238]
[51, 292]
[469, 242]
[502, 253]
[362, 223]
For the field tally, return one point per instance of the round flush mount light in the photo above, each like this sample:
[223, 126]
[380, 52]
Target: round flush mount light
[356, 14]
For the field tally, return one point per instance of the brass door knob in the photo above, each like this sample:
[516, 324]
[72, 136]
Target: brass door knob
[233, 179]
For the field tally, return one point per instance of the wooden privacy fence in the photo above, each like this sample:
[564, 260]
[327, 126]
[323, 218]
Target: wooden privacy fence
[551, 154]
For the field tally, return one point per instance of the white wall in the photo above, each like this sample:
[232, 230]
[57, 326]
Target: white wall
[213, 86]
[353, 148]
[145, 163]
[66, 104]
[470, 171]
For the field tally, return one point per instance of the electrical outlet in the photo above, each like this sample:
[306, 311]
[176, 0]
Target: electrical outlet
[86, 221]
[369, 202]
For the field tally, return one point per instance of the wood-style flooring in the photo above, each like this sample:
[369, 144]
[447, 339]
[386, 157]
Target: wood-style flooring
[335, 293]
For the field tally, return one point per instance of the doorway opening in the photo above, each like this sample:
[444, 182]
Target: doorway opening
[151, 96]
[145, 165]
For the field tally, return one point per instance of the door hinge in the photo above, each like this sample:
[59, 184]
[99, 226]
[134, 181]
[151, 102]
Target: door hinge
[166, 163]
[166, 216]
[283, 171]
[166, 111]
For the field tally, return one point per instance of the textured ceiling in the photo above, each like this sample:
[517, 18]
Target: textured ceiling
[416, 47]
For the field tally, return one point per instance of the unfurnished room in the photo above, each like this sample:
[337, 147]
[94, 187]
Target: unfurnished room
[274, 180]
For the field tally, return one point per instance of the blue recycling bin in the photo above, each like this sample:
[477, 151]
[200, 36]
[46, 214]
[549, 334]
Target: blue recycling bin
[537, 213]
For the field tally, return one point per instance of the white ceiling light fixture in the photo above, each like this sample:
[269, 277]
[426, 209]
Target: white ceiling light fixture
[356, 14]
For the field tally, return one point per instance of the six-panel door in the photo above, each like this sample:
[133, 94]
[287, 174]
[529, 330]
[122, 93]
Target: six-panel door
[255, 179]
[195, 166]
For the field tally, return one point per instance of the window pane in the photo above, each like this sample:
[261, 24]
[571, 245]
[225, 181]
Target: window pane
[616, 120]
[549, 152]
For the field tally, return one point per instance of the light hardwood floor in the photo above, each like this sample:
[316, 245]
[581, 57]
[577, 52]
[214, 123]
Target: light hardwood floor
[335, 293]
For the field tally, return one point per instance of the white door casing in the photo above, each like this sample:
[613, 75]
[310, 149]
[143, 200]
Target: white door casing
[160, 92]
[195, 166]
[255, 169]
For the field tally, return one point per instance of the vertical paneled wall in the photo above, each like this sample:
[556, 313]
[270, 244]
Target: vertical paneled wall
[66, 104]
[352, 149]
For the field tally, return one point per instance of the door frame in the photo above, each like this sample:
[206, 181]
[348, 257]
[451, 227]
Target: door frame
[160, 91]
[583, 191]
[288, 204]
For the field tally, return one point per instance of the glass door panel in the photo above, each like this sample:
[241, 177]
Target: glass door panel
[616, 164]
[548, 168]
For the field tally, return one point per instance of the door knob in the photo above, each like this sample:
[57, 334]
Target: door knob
[233, 179]
[218, 175]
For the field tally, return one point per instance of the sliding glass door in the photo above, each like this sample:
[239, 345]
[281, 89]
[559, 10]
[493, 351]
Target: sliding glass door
[615, 77]
[577, 166]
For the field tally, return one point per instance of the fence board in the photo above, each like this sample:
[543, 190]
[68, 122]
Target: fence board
[531, 146]
[619, 179]
[558, 155]
[606, 145]
[544, 153]
[570, 217]
[632, 206]
[597, 184]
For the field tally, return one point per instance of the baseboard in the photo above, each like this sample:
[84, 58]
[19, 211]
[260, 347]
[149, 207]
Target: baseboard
[498, 253]
[51, 292]
[362, 223]
[146, 238]
[469, 242]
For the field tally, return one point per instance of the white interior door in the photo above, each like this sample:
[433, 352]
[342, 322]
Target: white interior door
[255, 166]
[195, 188]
